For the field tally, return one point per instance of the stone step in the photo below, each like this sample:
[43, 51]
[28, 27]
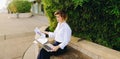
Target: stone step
[31, 53]
[82, 49]
[71, 53]
[93, 50]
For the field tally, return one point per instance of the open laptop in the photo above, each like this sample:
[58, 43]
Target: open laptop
[43, 40]
[47, 46]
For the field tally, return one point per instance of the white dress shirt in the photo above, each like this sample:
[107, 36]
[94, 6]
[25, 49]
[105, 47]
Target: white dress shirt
[61, 34]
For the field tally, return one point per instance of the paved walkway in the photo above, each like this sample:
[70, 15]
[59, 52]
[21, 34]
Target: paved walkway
[16, 35]
[10, 25]
[14, 48]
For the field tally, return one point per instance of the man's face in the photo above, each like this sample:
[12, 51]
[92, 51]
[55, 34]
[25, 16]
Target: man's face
[59, 18]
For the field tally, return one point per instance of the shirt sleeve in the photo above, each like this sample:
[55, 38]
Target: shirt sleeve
[66, 38]
[51, 34]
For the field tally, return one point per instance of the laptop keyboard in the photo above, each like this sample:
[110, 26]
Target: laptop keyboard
[46, 46]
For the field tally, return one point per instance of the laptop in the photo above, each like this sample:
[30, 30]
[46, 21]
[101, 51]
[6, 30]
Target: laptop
[43, 40]
[45, 44]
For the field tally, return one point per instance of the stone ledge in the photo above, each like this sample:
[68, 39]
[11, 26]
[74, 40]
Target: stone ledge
[81, 50]
[93, 50]
[31, 52]
[71, 54]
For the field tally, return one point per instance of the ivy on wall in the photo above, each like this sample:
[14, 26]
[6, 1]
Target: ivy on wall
[96, 20]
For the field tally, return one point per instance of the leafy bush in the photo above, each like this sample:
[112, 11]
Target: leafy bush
[19, 6]
[96, 20]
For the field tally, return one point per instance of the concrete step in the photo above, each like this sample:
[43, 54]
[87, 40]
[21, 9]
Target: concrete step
[32, 52]
[79, 49]
[71, 53]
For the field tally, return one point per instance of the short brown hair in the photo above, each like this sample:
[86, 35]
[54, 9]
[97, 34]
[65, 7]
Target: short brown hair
[61, 13]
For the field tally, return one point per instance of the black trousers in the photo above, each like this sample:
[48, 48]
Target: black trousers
[43, 54]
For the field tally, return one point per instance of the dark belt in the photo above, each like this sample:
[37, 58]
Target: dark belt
[56, 43]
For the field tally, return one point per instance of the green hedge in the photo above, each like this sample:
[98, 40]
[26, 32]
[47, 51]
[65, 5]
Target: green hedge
[96, 20]
[19, 6]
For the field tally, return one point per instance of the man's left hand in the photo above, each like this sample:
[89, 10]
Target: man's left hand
[55, 48]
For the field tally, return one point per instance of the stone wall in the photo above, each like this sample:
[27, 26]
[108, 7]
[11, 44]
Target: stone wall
[93, 50]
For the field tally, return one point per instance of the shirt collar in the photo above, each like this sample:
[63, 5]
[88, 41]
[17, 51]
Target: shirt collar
[62, 23]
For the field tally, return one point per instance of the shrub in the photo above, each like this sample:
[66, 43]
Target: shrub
[96, 20]
[19, 6]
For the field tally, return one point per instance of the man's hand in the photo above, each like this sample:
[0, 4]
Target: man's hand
[55, 48]
[45, 32]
